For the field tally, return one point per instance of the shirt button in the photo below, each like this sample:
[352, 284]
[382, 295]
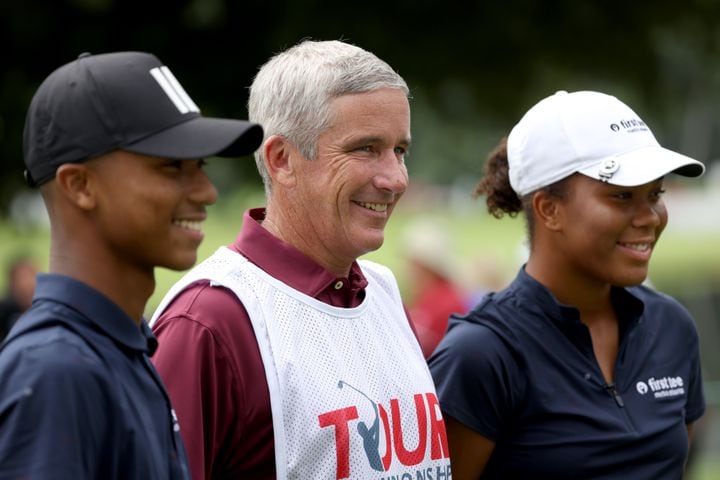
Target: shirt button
[338, 285]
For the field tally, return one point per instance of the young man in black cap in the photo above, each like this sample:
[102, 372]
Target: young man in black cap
[115, 145]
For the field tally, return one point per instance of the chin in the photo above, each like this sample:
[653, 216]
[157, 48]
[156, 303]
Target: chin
[373, 244]
[631, 280]
[180, 263]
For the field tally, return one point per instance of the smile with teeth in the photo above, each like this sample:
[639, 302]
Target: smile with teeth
[378, 207]
[640, 247]
[193, 225]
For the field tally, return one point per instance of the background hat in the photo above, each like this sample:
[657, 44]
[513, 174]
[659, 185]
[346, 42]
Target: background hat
[123, 100]
[591, 133]
[428, 242]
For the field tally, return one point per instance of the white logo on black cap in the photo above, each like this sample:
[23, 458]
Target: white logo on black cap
[172, 88]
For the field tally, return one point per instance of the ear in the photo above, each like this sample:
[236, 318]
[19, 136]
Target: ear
[73, 182]
[548, 210]
[278, 153]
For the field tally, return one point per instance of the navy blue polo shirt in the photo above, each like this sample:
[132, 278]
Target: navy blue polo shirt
[519, 369]
[79, 398]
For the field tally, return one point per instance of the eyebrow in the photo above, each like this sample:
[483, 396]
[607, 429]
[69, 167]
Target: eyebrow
[406, 142]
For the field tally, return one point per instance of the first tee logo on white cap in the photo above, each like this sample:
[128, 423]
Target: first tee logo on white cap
[630, 126]
[172, 88]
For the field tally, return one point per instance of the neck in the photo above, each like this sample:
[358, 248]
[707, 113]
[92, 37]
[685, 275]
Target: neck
[589, 296]
[129, 288]
[279, 222]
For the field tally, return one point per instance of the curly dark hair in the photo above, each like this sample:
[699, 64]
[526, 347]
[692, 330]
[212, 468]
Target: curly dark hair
[495, 186]
[500, 197]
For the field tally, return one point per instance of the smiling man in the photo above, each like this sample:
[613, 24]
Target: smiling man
[258, 341]
[115, 145]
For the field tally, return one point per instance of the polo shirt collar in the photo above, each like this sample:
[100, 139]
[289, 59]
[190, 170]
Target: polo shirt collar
[97, 309]
[286, 263]
[628, 306]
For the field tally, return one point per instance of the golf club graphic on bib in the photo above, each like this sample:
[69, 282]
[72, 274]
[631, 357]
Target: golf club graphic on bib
[370, 436]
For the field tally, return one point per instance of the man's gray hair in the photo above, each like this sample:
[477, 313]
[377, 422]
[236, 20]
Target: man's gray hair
[291, 93]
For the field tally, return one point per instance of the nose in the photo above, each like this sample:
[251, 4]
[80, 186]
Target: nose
[650, 214]
[392, 175]
[202, 190]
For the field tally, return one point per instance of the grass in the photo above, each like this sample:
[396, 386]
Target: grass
[683, 258]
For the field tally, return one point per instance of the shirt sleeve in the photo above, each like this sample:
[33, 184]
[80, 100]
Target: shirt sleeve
[55, 415]
[410, 321]
[477, 378]
[211, 366]
[695, 407]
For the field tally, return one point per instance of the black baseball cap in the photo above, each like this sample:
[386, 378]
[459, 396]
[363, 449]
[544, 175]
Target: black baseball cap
[128, 101]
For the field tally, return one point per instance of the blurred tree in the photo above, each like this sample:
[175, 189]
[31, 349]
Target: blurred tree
[474, 69]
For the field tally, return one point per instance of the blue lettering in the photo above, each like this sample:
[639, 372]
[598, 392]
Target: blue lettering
[443, 472]
[406, 476]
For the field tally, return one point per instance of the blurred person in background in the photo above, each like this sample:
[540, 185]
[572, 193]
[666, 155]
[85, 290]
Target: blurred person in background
[433, 279]
[20, 288]
[575, 370]
[483, 274]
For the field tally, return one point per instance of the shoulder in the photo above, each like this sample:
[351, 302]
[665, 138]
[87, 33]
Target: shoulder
[379, 274]
[473, 344]
[46, 339]
[654, 298]
[208, 305]
[53, 366]
[213, 321]
[478, 345]
[478, 376]
[58, 401]
[661, 308]
[53, 350]
[479, 340]
[497, 313]
[375, 269]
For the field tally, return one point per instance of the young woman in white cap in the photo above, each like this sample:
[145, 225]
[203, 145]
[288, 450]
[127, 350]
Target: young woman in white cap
[575, 370]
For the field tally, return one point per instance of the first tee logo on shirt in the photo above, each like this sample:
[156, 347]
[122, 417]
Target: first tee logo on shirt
[662, 387]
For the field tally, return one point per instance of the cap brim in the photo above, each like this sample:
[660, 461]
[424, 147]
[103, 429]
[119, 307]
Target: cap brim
[645, 165]
[201, 137]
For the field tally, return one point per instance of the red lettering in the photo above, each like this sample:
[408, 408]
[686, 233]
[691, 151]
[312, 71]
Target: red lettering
[407, 457]
[438, 436]
[339, 419]
[387, 458]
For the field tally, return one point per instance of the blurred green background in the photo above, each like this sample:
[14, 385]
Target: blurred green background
[488, 253]
[473, 69]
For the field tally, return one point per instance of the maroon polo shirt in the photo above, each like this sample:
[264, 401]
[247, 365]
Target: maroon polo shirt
[209, 359]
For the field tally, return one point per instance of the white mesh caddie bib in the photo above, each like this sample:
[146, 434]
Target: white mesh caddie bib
[350, 392]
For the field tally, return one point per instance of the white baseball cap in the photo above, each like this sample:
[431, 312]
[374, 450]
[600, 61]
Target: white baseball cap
[591, 133]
